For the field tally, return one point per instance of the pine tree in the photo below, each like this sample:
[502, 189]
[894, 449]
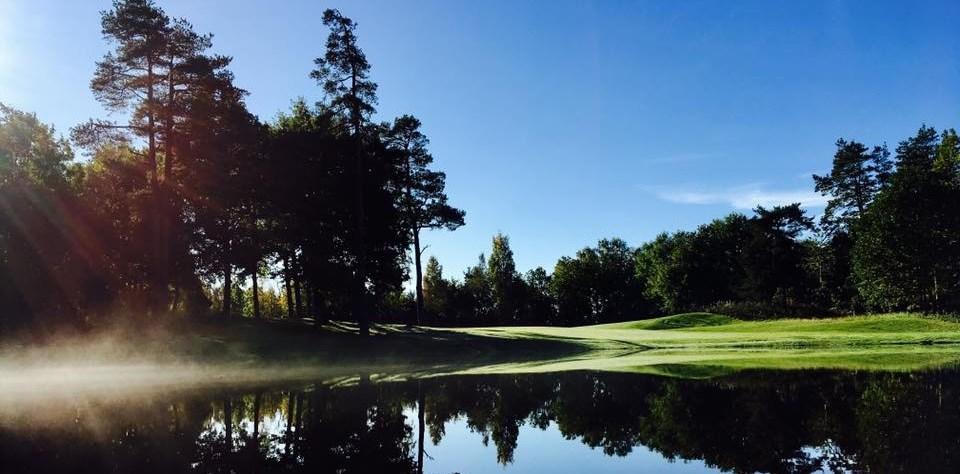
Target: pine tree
[857, 175]
[423, 201]
[343, 72]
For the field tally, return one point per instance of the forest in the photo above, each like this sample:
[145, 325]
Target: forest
[173, 210]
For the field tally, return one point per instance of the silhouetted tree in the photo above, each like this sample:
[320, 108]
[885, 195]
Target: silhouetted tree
[423, 199]
[343, 72]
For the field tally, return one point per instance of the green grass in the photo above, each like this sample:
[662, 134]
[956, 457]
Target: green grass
[704, 330]
[704, 342]
[678, 321]
[693, 345]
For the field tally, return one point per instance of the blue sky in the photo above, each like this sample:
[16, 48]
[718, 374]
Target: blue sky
[559, 123]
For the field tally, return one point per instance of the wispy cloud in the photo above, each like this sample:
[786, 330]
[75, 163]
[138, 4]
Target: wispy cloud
[741, 197]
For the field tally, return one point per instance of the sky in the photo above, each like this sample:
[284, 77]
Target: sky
[560, 123]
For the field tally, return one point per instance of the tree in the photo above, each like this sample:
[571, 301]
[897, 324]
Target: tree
[828, 262]
[598, 285]
[308, 206]
[504, 281]
[661, 265]
[906, 251]
[152, 73]
[343, 72]
[688, 271]
[947, 161]
[51, 265]
[619, 291]
[132, 77]
[857, 175]
[475, 299]
[218, 179]
[773, 256]
[439, 295]
[423, 200]
[570, 287]
[538, 303]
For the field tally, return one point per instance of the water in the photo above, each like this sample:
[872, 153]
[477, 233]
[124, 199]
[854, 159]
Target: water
[572, 422]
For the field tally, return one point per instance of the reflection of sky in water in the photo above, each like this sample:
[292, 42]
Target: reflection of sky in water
[272, 428]
[463, 450]
[538, 450]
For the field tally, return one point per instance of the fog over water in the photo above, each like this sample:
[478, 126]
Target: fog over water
[157, 414]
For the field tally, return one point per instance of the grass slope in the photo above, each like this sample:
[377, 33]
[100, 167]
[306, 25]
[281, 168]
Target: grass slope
[693, 342]
[704, 330]
[677, 321]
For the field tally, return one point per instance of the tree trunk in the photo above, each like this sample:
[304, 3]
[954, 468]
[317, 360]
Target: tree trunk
[256, 422]
[319, 315]
[175, 414]
[228, 424]
[286, 287]
[175, 301]
[227, 283]
[165, 211]
[297, 286]
[153, 297]
[360, 285]
[420, 426]
[289, 434]
[419, 283]
[256, 293]
[297, 421]
[309, 303]
[297, 302]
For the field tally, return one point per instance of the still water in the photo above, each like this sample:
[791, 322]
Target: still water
[572, 422]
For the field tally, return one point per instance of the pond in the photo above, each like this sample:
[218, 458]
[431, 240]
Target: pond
[749, 421]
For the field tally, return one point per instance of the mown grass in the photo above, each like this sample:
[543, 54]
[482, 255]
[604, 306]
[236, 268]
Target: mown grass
[703, 342]
[678, 321]
[693, 345]
[704, 330]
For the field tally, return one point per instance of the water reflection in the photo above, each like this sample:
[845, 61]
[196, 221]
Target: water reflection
[746, 422]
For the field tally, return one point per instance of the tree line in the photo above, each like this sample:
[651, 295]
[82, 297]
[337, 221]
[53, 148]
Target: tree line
[190, 196]
[190, 192]
[888, 240]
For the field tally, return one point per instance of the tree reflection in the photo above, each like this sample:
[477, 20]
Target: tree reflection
[752, 421]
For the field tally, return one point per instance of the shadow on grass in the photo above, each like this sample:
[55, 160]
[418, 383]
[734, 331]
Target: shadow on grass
[339, 343]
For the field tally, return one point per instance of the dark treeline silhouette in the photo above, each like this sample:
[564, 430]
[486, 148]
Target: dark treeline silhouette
[192, 205]
[191, 195]
[797, 421]
[889, 240]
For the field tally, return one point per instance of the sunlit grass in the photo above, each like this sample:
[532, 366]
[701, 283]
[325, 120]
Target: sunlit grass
[704, 330]
[696, 341]
[691, 345]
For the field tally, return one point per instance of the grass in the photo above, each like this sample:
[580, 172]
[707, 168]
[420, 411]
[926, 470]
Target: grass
[693, 345]
[678, 321]
[704, 342]
[710, 331]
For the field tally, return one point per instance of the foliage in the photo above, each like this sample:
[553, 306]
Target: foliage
[907, 252]
[857, 175]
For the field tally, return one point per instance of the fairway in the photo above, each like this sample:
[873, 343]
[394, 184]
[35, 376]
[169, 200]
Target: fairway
[710, 331]
[675, 344]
